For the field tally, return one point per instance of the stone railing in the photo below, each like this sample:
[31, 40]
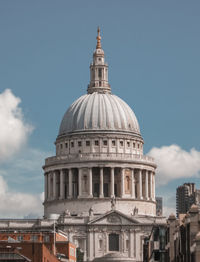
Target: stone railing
[98, 157]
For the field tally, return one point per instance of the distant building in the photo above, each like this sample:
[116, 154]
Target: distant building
[176, 241]
[159, 206]
[186, 195]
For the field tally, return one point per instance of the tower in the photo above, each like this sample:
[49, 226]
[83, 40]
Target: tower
[100, 185]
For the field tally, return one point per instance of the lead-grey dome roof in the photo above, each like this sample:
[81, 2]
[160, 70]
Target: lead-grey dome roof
[99, 112]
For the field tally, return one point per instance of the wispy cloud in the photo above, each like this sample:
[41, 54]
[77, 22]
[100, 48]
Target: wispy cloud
[16, 204]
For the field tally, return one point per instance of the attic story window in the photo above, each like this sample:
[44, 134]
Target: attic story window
[105, 142]
[87, 143]
[113, 143]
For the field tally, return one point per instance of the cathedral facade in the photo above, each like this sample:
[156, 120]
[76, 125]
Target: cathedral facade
[99, 185]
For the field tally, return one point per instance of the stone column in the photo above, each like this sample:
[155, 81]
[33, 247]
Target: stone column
[101, 183]
[150, 182]
[79, 182]
[146, 185]
[122, 182]
[46, 186]
[61, 184]
[131, 243]
[112, 182]
[49, 185]
[90, 183]
[54, 185]
[153, 186]
[132, 184]
[90, 247]
[140, 184]
[70, 182]
[85, 249]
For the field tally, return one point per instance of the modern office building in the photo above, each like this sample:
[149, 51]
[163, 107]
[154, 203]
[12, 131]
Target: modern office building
[159, 206]
[186, 195]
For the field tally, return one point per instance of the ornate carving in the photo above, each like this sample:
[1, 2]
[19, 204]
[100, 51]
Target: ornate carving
[113, 203]
[114, 219]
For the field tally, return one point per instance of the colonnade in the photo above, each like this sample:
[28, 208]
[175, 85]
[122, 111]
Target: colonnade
[116, 182]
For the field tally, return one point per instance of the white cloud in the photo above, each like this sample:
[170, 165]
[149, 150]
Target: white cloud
[16, 205]
[173, 163]
[14, 130]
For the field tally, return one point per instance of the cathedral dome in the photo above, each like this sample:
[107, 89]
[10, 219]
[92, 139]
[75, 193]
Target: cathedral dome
[99, 112]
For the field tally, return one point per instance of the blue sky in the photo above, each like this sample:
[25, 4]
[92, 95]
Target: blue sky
[152, 48]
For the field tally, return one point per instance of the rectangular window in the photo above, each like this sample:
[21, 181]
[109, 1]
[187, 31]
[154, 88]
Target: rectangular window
[46, 238]
[79, 143]
[61, 146]
[133, 145]
[96, 142]
[113, 143]
[100, 244]
[72, 144]
[121, 143]
[34, 238]
[66, 145]
[20, 238]
[105, 142]
[100, 72]
[87, 143]
[128, 144]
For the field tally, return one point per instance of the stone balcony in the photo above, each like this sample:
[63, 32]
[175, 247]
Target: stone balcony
[86, 157]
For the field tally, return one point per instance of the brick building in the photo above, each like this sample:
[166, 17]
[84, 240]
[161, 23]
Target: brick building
[36, 246]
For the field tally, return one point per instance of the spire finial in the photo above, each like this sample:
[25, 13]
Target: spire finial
[98, 39]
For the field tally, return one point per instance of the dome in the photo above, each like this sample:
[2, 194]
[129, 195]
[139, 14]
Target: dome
[99, 112]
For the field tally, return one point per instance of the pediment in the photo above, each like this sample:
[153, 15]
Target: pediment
[113, 218]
